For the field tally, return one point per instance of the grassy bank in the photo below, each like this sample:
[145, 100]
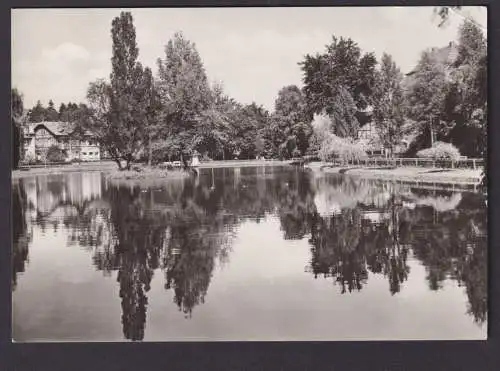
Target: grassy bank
[112, 167]
[59, 169]
[242, 163]
[400, 173]
[436, 175]
[144, 176]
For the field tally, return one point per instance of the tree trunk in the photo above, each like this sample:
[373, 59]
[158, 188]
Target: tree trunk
[185, 162]
[128, 161]
[118, 161]
[150, 155]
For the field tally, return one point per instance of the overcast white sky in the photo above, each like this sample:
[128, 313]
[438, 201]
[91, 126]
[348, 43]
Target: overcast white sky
[253, 51]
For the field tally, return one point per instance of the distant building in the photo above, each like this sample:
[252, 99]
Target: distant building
[40, 136]
[445, 56]
[368, 135]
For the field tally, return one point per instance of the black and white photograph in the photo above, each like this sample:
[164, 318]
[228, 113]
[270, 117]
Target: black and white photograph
[249, 174]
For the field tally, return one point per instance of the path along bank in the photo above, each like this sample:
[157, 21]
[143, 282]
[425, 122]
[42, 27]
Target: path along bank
[110, 166]
[434, 175]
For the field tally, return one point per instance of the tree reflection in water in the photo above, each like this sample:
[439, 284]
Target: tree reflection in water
[378, 237]
[185, 227]
[21, 232]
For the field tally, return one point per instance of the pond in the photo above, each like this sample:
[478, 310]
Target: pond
[256, 253]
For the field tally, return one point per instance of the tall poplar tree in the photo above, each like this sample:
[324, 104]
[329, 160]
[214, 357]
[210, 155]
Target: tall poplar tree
[123, 78]
[117, 112]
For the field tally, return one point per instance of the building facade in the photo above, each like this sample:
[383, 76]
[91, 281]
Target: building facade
[40, 136]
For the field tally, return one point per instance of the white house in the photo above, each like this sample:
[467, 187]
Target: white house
[40, 136]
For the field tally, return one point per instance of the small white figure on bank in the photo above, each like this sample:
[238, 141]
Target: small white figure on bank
[195, 161]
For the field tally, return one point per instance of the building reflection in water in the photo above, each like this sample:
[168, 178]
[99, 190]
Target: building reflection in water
[184, 228]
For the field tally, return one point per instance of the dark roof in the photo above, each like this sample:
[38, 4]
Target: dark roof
[58, 128]
[445, 55]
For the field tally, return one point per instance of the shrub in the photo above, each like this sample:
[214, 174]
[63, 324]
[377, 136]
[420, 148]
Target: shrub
[29, 159]
[440, 151]
[55, 154]
[344, 149]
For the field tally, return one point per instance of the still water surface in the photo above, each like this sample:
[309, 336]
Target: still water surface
[265, 253]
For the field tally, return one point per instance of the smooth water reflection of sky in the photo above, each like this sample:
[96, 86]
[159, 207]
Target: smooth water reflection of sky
[263, 291]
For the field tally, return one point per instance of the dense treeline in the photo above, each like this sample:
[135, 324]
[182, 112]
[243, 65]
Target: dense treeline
[145, 115]
[67, 112]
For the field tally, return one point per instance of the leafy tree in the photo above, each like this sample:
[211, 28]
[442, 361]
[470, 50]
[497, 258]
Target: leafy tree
[467, 92]
[211, 135]
[246, 124]
[444, 12]
[97, 119]
[426, 98]
[152, 110]
[340, 83]
[184, 91]
[293, 128]
[17, 117]
[388, 107]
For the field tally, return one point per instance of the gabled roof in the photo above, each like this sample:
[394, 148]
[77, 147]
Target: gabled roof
[446, 55]
[57, 128]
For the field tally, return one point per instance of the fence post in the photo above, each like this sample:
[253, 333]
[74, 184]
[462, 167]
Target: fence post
[452, 164]
[474, 164]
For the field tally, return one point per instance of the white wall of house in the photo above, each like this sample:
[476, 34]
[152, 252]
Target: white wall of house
[89, 152]
[29, 148]
[75, 149]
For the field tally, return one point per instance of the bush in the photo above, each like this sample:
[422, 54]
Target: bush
[440, 151]
[55, 154]
[29, 159]
[344, 149]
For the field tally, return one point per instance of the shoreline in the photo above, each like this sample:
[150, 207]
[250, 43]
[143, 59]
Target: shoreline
[414, 174]
[242, 163]
[55, 170]
[434, 175]
[112, 167]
